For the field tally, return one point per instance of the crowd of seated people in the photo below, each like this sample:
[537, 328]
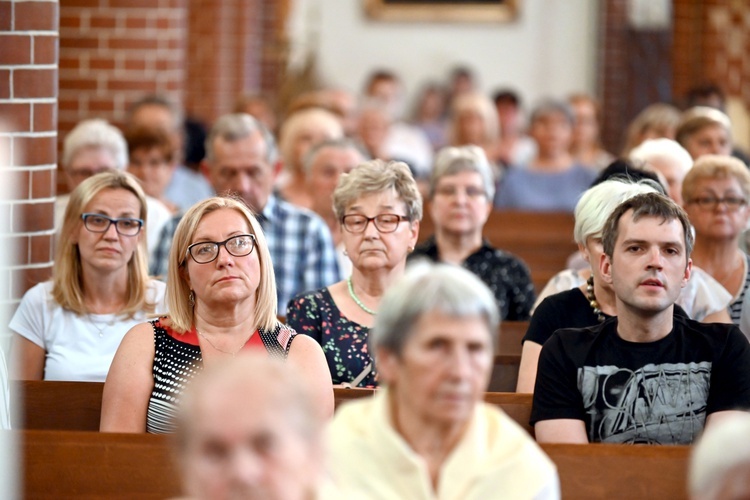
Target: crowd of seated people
[304, 254]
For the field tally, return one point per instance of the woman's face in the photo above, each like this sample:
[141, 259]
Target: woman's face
[712, 216]
[709, 140]
[460, 204]
[86, 163]
[443, 370]
[586, 128]
[552, 132]
[151, 166]
[108, 251]
[373, 249]
[471, 129]
[227, 279]
[592, 252]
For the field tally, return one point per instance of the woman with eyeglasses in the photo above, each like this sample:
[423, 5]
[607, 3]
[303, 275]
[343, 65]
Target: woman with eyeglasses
[379, 207]
[715, 192]
[222, 301]
[69, 328]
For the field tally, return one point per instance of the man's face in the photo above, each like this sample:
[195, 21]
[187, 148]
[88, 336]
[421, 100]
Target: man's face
[649, 266]
[86, 163]
[240, 167]
[248, 447]
[324, 174]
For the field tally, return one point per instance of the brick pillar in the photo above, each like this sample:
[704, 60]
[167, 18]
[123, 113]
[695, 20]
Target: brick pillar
[112, 52]
[28, 156]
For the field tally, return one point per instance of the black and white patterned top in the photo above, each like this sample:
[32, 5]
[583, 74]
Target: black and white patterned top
[735, 307]
[178, 358]
[505, 275]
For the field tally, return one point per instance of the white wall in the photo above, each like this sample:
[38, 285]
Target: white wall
[549, 50]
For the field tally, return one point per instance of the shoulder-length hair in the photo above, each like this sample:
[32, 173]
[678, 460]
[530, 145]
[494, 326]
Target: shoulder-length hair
[178, 290]
[67, 275]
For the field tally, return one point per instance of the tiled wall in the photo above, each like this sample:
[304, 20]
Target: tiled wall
[28, 106]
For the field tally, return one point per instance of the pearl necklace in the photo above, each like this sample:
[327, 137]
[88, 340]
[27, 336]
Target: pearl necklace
[233, 354]
[356, 299]
[592, 299]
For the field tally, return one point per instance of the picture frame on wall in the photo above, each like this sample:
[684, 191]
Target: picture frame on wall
[473, 11]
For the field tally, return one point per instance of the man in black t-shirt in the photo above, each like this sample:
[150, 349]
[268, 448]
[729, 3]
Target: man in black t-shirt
[646, 376]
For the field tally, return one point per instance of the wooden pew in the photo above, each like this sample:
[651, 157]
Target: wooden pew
[544, 240]
[64, 464]
[511, 334]
[594, 471]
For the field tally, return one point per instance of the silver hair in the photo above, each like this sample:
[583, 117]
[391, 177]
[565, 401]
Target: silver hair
[662, 149]
[424, 288]
[96, 134]
[549, 106]
[343, 143]
[452, 160]
[237, 126]
[598, 203]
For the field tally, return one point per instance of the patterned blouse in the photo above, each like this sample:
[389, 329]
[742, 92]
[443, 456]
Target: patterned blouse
[505, 274]
[178, 358]
[344, 342]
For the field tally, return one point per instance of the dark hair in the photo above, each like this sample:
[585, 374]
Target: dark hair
[625, 169]
[698, 95]
[149, 138]
[508, 96]
[646, 205]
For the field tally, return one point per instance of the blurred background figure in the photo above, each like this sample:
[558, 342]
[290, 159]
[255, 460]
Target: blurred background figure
[379, 208]
[248, 429]
[259, 107]
[151, 159]
[461, 80]
[514, 146]
[433, 340]
[299, 132]
[69, 328]
[430, 114]
[186, 186]
[715, 192]
[552, 181]
[667, 157]
[586, 146]
[324, 164]
[719, 467]
[473, 122]
[705, 131]
[95, 146]
[462, 187]
[655, 121]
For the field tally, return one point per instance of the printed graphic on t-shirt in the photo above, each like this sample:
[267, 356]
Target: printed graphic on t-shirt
[655, 404]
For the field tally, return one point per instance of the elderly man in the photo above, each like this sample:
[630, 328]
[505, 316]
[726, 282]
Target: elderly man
[241, 159]
[248, 429]
[647, 375]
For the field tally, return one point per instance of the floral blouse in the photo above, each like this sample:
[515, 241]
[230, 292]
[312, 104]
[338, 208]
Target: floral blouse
[344, 342]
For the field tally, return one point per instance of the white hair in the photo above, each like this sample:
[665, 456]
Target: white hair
[96, 134]
[662, 149]
[598, 203]
[452, 160]
[717, 456]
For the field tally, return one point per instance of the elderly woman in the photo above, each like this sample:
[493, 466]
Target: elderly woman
[552, 181]
[716, 199]
[705, 131]
[379, 207]
[461, 190]
[428, 434]
[586, 146]
[653, 122]
[578, 299]
[299, 132]
[69, 328]
[95, 146]
[222, 300]
[669, 159]
[474, 121]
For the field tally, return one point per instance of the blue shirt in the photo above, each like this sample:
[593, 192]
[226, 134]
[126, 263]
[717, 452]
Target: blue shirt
[186, 188]
[534, 190]
[299, 242]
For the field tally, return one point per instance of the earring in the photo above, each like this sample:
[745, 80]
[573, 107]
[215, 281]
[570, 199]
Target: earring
[346, 254]
[191, 298]
[411, 249]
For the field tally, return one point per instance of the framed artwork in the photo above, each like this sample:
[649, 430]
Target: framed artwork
[486, 11]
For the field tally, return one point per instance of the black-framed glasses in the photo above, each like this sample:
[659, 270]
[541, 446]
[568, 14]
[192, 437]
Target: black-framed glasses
[207, 251]
[711, 202]
[98, 223]
[385, 223]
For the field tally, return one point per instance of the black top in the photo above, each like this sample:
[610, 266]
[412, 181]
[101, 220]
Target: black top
[653, 392]
[506, 275]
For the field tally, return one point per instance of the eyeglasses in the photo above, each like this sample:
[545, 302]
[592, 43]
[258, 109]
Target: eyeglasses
[710, 203]
[471, 191]
[98, 223]
[385, 223]
[207, 251]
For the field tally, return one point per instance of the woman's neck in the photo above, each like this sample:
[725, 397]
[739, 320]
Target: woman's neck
[456, 247]
[604, 295]
[104, 293]
[715, 256]
[371, 284]
[295, 191]
[221, 318]
[553, 162]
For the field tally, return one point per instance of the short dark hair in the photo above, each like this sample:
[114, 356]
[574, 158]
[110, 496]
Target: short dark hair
[149, 138]
[507, 96]
[647, 205]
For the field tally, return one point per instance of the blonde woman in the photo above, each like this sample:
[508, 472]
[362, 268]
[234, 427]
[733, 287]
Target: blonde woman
[69, 328]
[222, 301]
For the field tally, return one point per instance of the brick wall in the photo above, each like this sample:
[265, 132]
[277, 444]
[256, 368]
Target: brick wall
[28, 156]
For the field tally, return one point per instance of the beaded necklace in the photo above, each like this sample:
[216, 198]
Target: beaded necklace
[356, 299]
[592, 299]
